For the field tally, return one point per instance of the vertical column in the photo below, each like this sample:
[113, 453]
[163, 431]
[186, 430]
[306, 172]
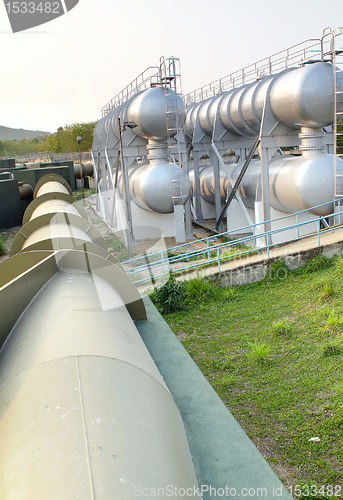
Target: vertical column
[265, 186]
[198, 211]
[104, 189]
[217, 197]
[130, 238]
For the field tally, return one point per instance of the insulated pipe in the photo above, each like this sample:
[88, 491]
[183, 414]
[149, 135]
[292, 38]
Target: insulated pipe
[84, 412]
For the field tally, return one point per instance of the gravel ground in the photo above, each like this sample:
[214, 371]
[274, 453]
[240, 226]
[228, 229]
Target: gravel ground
[7, 236]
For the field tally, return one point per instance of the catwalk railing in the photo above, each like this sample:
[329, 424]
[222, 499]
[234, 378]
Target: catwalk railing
[312, 49]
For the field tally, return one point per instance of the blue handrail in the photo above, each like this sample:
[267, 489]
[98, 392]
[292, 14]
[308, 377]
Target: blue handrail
[168, 258]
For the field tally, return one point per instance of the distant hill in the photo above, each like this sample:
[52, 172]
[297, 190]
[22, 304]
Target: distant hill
[12, 134]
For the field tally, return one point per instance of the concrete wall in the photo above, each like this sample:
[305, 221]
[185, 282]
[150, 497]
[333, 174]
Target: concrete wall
[10, 208]
[33, 175]
[251, 273]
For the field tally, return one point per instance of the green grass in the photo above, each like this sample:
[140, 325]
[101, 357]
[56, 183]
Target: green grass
[87, 192]
[116, 246]
[273, 351]
[2, 247]
[259, 353]
[283, 328]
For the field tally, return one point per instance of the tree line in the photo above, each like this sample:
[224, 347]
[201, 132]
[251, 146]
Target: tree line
[62, 141]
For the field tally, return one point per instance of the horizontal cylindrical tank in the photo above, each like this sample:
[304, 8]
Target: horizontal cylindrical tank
[157, 185]
[296, 183]
[152, 110]
[297, 97]
[207, 183]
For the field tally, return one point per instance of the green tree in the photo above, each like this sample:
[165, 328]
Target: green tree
[51, 143]
[64, 140]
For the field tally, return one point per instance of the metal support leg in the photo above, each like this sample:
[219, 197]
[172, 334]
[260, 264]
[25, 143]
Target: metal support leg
[265, 188]
[188, 221]
[217, 197]
[130, 238]
[198, 211]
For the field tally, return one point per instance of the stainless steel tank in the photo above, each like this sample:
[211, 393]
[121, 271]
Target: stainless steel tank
[153, 185]
[189, 123]
[147, 109]
[296, 183]
[298, 97]
[207, 183]
[158, 185]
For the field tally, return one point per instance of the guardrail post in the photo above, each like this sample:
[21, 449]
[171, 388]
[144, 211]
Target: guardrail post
[339, 211]
[208, 250]
[297, 219]
[168, 263]
[254, 237]
[162, 262]
[218, 255]
[268, 245]
[318, 231]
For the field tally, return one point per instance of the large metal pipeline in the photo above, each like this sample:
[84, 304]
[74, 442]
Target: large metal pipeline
[85, 168]
[297, 96]
[84, 412]
[158, 184]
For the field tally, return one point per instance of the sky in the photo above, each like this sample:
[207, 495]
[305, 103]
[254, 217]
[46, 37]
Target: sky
[64, 71]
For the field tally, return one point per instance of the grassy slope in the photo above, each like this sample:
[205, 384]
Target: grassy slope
[298, 394]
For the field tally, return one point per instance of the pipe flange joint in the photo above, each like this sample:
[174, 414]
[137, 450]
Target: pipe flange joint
[157, 150]
[157, 145]
[311, 135]
[158, 156]
[311, 147]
